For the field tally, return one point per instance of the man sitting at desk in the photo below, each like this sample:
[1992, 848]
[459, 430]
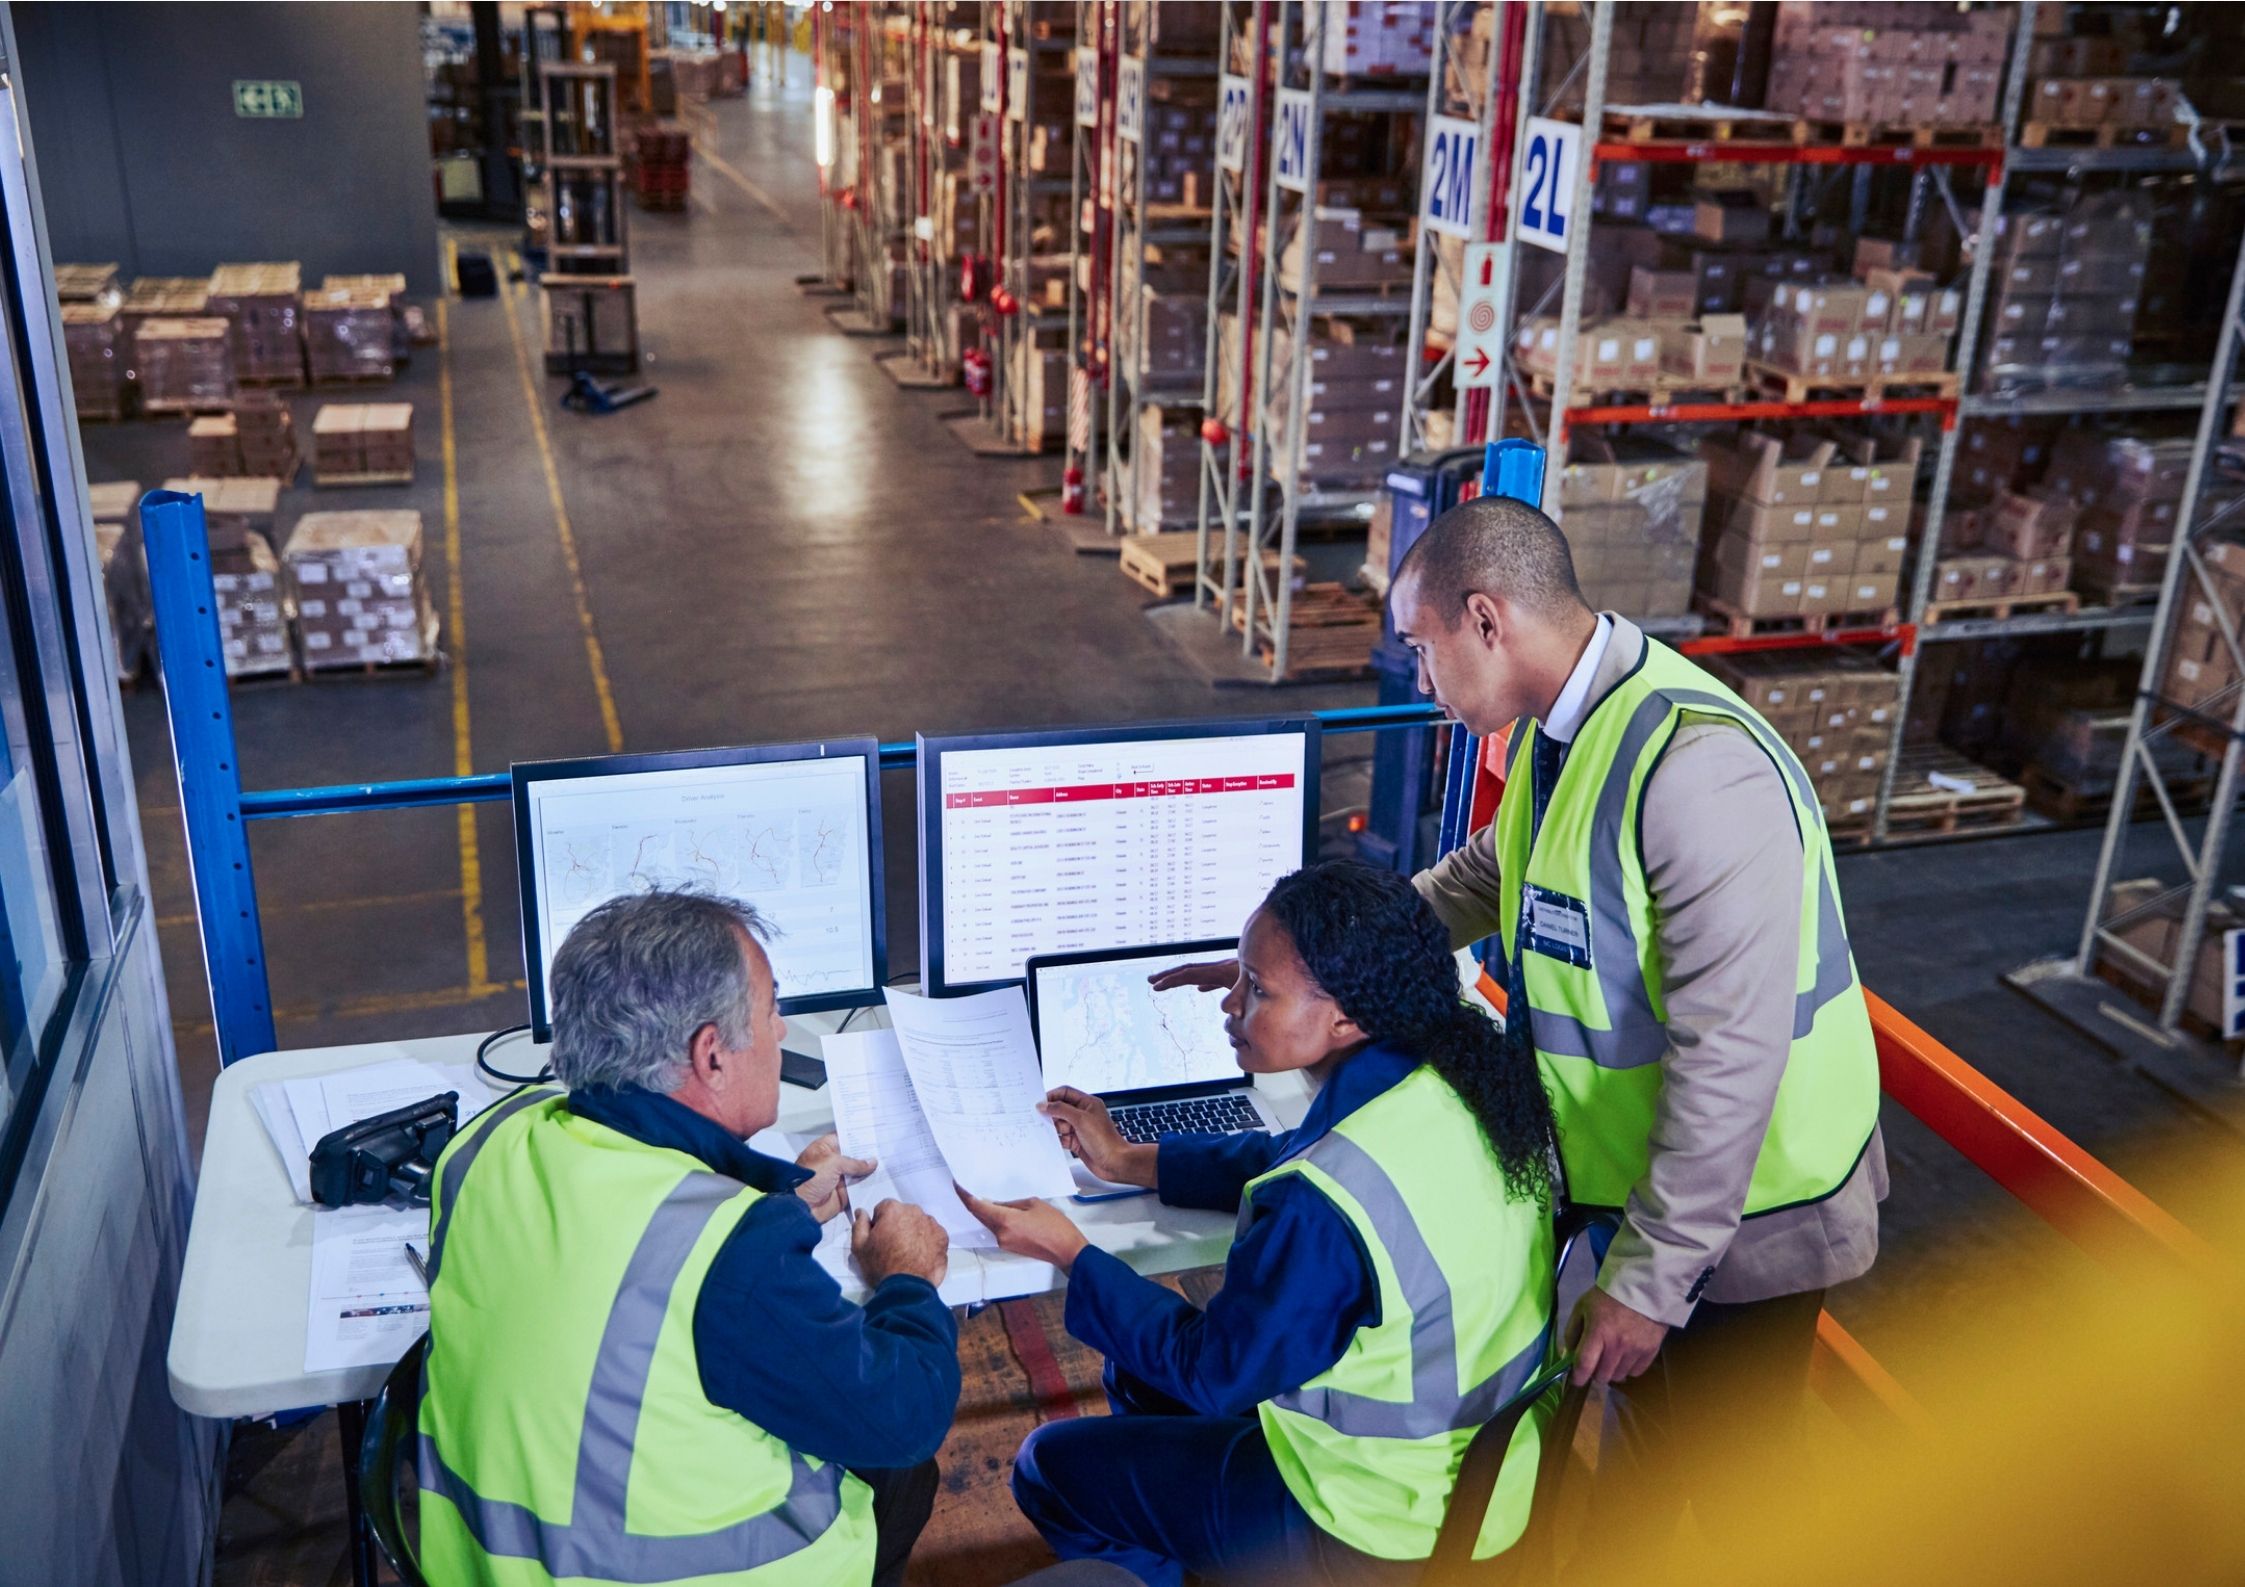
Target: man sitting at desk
[636, 1371]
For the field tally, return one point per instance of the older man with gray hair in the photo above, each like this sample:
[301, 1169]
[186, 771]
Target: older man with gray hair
[636, 1370]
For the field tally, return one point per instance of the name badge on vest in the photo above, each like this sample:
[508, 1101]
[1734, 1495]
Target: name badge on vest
[1555, 925]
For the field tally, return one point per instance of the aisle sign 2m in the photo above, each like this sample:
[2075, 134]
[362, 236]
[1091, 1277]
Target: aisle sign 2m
[1447, 183]
[1231, 124]
[1087, 87]
[1130, 99]
[1293, 130]
[1550, 162]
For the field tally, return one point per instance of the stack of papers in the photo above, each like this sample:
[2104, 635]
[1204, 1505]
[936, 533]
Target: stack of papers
[298, 1113]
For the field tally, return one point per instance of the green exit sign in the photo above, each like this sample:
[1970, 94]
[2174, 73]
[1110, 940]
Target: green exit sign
[269, 100]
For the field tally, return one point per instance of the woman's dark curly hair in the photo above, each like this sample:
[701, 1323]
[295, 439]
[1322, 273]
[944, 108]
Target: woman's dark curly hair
[1376, 947]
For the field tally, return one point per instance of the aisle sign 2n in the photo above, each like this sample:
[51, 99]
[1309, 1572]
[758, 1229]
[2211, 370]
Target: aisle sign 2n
[1294, 139]
[1130, 99]
[1448, 181]
[1231, 124]
[1550, 162]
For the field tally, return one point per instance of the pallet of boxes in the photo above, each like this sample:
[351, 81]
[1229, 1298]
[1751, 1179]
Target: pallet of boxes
[184, 365]
[361, 601]
[115, 509]
[1835, 709]
[2068, 281]
[1631, 511]
[255, 439]
[1808, 531]
[253, 612]
[351, 329]
[2146, 915]
[362, 443]
[155, 298]
[1889, 72]
[93, 338]
[262, 305]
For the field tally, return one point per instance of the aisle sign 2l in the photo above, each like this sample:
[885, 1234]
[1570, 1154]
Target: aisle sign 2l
[1130, 99]
[1231, 124]
[1550, 162]
[1293, 129]
[1087, 87]
[1447, 183]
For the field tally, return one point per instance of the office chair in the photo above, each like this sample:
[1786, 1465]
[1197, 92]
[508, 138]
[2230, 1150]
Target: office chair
[390, 1426]
[1583, 1238]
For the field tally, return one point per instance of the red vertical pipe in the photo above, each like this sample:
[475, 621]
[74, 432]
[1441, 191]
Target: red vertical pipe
[1503, 126]
[1251, 253]
[998, 194]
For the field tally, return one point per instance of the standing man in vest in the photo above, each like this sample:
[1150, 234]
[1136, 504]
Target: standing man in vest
[1662, 884]
[636, 1371]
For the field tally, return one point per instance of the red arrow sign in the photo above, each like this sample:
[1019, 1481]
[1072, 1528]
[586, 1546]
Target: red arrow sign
[1478, 364]
[1489, 270]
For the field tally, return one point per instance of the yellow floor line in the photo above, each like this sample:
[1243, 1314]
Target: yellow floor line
[724, 168]
[456, 630]
[511, 295]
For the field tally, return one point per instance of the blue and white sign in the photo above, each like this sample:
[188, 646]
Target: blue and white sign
[1231, 123]
[991, 62]
[1017, 84]
[1130, 99]
[1293, 129]
[1087, 88]
[1451, 177]
[1550, 163]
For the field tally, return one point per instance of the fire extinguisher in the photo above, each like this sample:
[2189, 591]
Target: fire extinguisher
[974, 364]
[1072, 490]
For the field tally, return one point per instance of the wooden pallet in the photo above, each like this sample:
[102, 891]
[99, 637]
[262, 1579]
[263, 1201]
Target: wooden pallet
[1868, 135]
[1747, 625]
[2060, 601]
[1316, 606]
[265, 677]
[341, 671]
[327, 481]
[1785, 385]
[2064, 801]
[1163, 563]
[1664, 390]
[1694, 124]
[271, 382]
[1917, 806]
[2044, 135]
[352, 381]
[2122, 594]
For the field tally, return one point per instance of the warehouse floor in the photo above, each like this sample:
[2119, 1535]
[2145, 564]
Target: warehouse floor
[785, 544]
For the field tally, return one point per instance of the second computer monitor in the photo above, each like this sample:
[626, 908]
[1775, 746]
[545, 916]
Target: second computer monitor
[1075, 839]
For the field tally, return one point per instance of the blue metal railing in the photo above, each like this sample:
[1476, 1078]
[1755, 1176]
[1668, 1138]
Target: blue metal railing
[218, 810]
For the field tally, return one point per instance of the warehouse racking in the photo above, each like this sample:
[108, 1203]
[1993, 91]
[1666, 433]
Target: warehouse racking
[1090, 212]
[1157, 51]
[930, 358]
[1255, 581]
[877, 201]
[834, 146]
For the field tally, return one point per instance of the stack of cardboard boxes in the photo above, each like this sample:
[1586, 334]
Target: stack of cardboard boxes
[253, 616]
[156, 298]
[2200, 668]
[1377, 38]
[2019, 544]
[1632, 514]
[87, 283]
[1349, 251]
[2129, 490]
[1348, 430]
[90, 340]
[1651, 62]
[184, 365]
[1887, 322]
[263, 305]
[360, 598]
[1179, 140]
[1888, 64]
[349, 333]
[2067, 284]
[1037, 392]
[1166, 466]
[363, 443]
[256, 440]
[115, 508]
[1807, 526]
[2146, 914]
[1834, 709]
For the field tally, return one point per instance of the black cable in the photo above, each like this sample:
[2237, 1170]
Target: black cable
[501, 1075]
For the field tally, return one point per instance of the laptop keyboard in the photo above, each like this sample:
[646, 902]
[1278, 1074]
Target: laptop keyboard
[1228, 1113]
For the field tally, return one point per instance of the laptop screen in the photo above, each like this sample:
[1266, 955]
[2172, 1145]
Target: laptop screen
[1102, 1029]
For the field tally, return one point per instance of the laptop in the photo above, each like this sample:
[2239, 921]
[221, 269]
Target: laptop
[1159, 1060]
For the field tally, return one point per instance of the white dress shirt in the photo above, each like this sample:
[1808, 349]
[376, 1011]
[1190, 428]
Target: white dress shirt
[1573, 703]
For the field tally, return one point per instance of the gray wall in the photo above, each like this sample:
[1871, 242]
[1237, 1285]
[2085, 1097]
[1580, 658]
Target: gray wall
[144, 161]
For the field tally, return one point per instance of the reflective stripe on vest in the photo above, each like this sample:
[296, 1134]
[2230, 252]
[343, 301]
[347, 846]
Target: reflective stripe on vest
[455, 1168]
[1436, 1405]
[594, 1542]
[1637, 1035]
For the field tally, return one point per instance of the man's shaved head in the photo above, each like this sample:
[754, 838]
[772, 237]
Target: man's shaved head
[1498, 547]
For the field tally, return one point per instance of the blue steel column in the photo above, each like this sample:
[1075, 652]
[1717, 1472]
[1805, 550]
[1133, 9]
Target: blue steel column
[210, 781]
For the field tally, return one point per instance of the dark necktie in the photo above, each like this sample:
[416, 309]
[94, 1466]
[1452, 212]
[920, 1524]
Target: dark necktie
[1546, 756]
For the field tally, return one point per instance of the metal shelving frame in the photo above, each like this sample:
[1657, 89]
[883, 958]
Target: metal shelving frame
[1019, 190]
[1088, 318]
[1237, 212]
[870, 216]
[1259, 561]
[930, 357]
[831, 59]
[1130, 235]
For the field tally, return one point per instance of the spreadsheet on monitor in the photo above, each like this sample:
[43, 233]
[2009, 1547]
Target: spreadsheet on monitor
[1056, 847]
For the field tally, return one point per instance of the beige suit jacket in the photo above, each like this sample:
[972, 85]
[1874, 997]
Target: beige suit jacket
[1723, 861]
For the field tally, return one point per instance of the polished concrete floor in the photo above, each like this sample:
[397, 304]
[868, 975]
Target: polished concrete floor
[783, 543]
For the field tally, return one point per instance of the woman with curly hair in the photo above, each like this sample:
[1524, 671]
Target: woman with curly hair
[1388, 1289]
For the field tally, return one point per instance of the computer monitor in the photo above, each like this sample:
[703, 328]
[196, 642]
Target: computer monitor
[1076, 839]
[794, 829]
[1102, 1028]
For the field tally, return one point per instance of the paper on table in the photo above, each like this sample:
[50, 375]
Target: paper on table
[367, 1303]
[974, 1068]
[878, 1115]
[320, 1103]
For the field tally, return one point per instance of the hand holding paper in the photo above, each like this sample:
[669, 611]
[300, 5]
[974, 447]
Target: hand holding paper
[974, 1068]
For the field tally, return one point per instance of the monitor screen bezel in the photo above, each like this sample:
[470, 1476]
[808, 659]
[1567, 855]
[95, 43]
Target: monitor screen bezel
[526, 773]
[928, 795]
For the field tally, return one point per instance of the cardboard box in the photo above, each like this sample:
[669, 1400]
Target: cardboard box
[1662, 294]
[1711, 349]
[1765, 468]
[1731, 218]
